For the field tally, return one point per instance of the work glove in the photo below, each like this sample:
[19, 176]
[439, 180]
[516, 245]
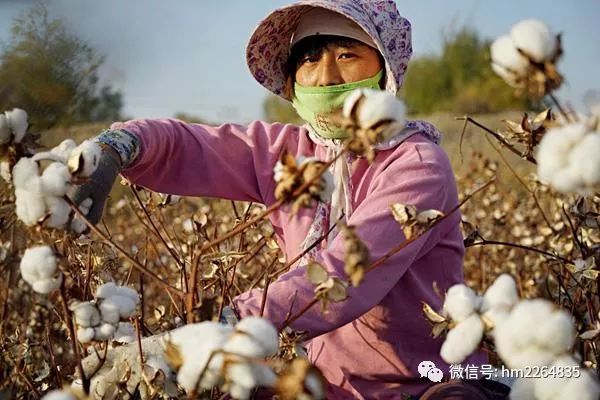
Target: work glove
[100, 183]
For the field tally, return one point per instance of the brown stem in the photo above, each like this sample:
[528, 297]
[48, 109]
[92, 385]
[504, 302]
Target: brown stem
[135, 262]
[498, 138]
[273, 207]
[85, 382]
[56, 373]
[300, 313]
[307, 250]
[485, 242]
[154, 227]
[402, 245]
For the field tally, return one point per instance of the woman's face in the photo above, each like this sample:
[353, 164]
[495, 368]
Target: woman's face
[338, 64]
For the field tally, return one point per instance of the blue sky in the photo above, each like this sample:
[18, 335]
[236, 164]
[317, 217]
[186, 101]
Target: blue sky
[188, 55]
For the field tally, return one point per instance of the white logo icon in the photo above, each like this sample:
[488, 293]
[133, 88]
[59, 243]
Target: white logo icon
[429, 370]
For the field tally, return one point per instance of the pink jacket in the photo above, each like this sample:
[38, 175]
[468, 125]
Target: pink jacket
[370, 345]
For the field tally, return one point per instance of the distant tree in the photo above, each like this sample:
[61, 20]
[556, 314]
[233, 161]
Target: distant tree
[459, 80]
[52, 74]
[275, 109]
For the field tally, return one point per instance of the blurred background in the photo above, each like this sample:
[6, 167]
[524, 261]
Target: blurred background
[70, 62]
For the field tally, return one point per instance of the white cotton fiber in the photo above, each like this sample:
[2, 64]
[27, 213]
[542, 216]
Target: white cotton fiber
[17, 121]
[30, 206]
[46, 285]
[59, 211]
[501, 294]
[86, 314]
[85, 335]
[535, 39]
[462, 340]
[39, 262]
[461, 301]
[507, 59]
[533, 334]
[55, 179]
[84, 159]
[262, 331]
[23, 171]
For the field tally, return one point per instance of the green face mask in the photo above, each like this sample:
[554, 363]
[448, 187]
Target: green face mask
[315, 104]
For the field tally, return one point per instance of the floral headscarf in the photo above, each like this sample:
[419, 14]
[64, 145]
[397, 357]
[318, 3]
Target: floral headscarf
[269, 46]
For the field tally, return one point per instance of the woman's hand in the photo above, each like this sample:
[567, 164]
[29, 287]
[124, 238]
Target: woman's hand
[100, 183]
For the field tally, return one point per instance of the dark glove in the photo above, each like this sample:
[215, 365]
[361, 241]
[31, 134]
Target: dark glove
[100, 183]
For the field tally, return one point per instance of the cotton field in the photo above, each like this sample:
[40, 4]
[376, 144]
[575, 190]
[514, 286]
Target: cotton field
[138, 306]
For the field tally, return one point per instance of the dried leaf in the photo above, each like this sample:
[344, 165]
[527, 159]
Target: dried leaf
[432, 315]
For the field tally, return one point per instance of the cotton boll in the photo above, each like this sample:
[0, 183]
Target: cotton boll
[506, 56]
[4, 130]
[104, 331]
[583, 388]
[241, 373]
[110, 311]
[83, 160]
[85, 335]
[38, 262]
[110, 289]
[125, 333]
[548, 388]
[158, 363]
[55, 179]
[126, 305]
[379, 106]
[523, 389]
[59, 395]
[196, 342]
[244, 345]
[23, 171]
[461, 301]
[30, 206]
[462, 340]
[517, 339]
[63, 150]
[535, 39]
[584, 158]
[262, 331]
[46, 285]
[59, 211]
[502, 293]
[17, 120]
[264, 375]
[86, 314]
[351, 102]
[78, 225]
[85, 206]
[495, 316]
[556, 333]
[327, 191]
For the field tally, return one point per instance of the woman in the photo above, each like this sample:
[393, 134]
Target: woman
[314, 53]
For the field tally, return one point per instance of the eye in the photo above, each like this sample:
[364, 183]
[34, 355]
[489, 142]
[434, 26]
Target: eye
[308, 59]
[345, 56]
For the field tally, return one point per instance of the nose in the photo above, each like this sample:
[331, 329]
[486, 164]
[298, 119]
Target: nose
[329, 72]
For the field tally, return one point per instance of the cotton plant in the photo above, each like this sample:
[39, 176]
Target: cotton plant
[13, 126]
[290, 174]
[373, 117]
[210, 354]
[472, 315]
[40, 191]
[39, 269]
[567, 157]
[527, 56]
[101, 319]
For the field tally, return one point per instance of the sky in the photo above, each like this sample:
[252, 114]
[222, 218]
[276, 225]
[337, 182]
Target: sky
[189, 55]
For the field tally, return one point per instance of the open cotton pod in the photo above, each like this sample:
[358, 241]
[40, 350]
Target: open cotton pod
[16, 119]
[84, 159]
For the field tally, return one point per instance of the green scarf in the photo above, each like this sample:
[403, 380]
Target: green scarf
[316, 103]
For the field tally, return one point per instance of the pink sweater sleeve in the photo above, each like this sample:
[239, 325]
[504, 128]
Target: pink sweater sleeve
[407, 180]
[229, 161]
